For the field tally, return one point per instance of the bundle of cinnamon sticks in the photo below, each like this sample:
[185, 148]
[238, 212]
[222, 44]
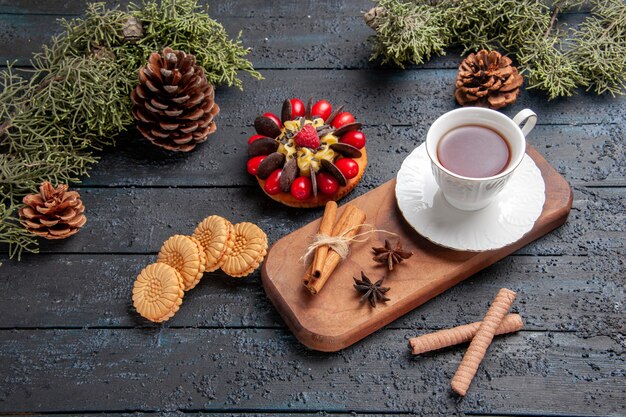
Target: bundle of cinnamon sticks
[326, 258]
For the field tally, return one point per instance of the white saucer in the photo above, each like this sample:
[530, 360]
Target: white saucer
[509, 217]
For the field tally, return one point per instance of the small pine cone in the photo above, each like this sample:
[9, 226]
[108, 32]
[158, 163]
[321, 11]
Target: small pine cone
[174, 103]
[102, 52]
[132, 30]
[372, 16]
[487, 79]
[53, 213]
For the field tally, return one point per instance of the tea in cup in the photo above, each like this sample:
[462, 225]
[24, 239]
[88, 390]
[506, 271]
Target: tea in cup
[474, 151]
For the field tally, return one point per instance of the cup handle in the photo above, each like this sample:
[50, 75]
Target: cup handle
[526, 117]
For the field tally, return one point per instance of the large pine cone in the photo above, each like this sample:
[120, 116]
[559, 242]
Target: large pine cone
[487, 79]
[53, 213]
[173, 103]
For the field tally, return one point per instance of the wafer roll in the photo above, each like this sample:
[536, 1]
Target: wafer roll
[478, 347]
[460, 334]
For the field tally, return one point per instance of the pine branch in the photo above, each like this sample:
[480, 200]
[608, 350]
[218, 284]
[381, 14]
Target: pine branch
[600, 48]
[412, 32]
[554, 61]
[12, 233]
[549, 69]
[76, 98]
[182, 24]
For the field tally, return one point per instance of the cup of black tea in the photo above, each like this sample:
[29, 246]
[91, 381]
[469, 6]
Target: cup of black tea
[474, 151]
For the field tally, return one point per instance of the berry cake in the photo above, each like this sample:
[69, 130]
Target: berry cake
[309, 156]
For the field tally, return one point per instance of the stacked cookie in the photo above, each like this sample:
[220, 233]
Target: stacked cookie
[216, 243]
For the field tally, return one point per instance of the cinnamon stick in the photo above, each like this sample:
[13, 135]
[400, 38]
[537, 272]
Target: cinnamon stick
[460, 334]
[481, 341]
[347, 226]
[326, 228]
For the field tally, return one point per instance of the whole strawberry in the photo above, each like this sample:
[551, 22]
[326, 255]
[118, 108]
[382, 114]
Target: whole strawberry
[307, 137]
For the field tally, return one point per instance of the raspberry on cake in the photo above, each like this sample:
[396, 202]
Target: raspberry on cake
[310, 156]
[307, 137]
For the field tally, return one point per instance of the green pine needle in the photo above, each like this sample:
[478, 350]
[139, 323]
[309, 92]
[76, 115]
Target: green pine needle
[76, 98]
[557, 62]
[12, 233]
[414, 32]
[182, 24]
[600, 48]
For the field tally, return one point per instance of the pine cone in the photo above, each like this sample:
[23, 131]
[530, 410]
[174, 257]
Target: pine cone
[173, 103]
[53, 213]
[132, 31]
[102, 52]
[487, 79]
[372, 16]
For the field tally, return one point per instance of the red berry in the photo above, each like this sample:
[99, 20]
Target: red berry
[254, 137]
[342, 119]
[272, 183]
[274, 118]
[322, 109]
[301, 188]
[348, 167]
[297, 108]
[253, 164]
[326, 183]
[355, 138]
[308, 137]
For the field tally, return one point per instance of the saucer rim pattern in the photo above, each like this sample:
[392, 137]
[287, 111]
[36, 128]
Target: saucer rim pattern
[416, 171]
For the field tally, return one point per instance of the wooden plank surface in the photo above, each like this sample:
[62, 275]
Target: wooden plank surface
[70, 343]
[139, 220]
[327, 34]
[396, 97]
[82, 291]
[157, 368]
[585, 154]
[217, 8]
[213, 413]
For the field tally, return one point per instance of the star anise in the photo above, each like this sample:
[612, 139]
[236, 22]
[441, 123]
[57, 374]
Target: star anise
[371, 292]
[391, 256]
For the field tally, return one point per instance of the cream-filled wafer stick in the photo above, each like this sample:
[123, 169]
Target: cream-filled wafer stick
[460, 334]
[478, 347]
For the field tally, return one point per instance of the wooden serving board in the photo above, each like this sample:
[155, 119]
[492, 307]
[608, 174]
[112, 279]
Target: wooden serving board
[334, 318]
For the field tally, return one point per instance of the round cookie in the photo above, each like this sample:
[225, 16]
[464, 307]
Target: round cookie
[246, 249]
[213, 233]
[158, 292]
[186, 255]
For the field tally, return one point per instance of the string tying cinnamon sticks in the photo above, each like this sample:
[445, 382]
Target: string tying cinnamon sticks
[346, 227]
[340, 244]
[460, 334]
[321, 245]
[332, 242]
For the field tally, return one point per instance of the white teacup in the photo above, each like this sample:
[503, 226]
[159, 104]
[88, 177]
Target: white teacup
[467, 193]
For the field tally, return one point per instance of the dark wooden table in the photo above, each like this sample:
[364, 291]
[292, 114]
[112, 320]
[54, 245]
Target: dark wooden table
[71, 343]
